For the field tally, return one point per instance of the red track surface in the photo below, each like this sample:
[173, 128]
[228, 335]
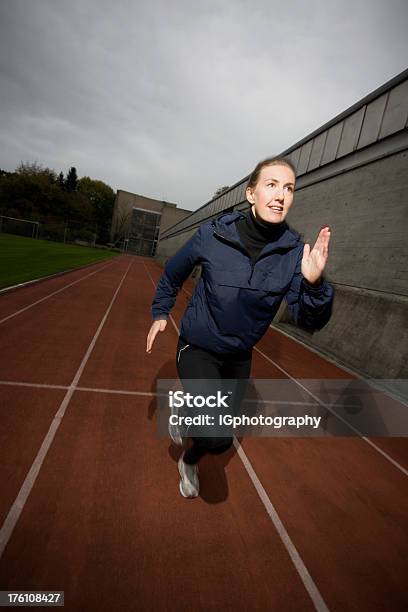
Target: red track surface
[104, 520]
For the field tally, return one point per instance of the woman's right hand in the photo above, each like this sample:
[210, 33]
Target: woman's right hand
[157, 326]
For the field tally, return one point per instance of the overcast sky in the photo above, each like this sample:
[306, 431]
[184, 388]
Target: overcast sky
[174, 99]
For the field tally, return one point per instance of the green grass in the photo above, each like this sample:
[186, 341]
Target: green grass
[23, 259]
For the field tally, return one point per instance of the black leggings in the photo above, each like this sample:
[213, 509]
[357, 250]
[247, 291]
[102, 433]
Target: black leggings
[195, 364]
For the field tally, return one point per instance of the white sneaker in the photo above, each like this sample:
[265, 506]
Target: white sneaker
[175, 434]
[189, 483]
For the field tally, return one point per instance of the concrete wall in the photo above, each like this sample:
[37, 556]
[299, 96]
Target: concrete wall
[367, 209]
[367, 332]
[171, 215]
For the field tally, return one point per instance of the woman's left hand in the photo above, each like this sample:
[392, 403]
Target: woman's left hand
[314, 261]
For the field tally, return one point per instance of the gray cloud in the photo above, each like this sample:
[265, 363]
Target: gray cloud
[171, 100]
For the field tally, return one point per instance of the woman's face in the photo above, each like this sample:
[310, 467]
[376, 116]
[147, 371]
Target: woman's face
[273, 194]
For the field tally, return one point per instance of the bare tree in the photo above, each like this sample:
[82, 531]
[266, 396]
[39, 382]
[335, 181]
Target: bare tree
[221, 190]
[121, 224]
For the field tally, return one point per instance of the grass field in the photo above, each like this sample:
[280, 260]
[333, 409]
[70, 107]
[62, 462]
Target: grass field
[23, 259]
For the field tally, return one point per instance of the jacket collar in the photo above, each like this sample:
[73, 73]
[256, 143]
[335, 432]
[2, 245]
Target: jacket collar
[224, 226]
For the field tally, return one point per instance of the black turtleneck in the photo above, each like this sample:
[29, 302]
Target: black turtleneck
[256, 233]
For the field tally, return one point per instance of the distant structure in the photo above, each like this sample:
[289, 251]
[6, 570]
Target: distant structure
[137, 221]
[353, 174]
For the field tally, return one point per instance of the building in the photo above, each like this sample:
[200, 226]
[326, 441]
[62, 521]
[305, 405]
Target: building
[138, 221]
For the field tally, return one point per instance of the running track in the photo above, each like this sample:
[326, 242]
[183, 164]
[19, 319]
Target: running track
[89, 495]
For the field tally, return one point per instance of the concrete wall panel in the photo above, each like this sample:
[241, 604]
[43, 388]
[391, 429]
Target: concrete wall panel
[242, 196]
[332, 143]
[396, 111]
[317, 151]
[295, 157]
[351, 131]
[304, 157]
[372, 121]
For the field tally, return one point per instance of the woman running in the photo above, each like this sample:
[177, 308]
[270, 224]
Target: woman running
[249, 263]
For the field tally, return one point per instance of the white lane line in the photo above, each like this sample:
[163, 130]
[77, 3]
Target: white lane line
[20, 501]
[360, 435]
[330, 409]
[118, 391]
[54, 293]
[297, 561]
[17, 383]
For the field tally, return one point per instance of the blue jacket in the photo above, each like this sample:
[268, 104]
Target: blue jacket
[235, 300]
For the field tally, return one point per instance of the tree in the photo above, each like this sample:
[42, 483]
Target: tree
[34, 192]
[220, 190]
[36, 170]
[29, 169]
[102, 199]
[71, 182]
[30, 190]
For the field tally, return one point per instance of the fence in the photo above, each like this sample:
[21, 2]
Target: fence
[22, 227]
[51, 229]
